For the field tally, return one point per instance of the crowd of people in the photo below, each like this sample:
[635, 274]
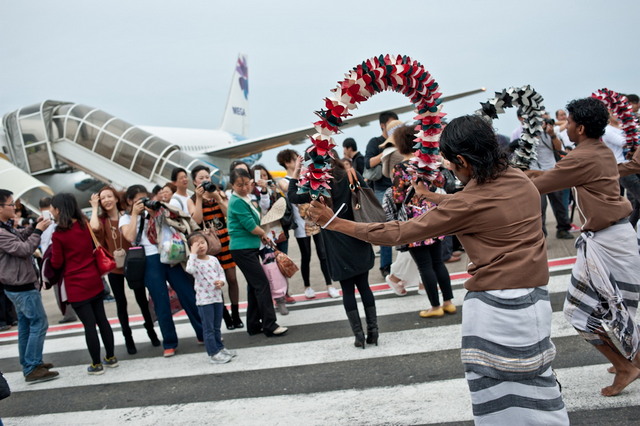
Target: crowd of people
[478, 204]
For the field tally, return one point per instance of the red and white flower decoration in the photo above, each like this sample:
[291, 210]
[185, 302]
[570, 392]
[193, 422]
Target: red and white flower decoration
[619, 105]
[398, 73]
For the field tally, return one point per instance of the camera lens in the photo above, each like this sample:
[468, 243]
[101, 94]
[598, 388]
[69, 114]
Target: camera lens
[209, 186]
[151, 204]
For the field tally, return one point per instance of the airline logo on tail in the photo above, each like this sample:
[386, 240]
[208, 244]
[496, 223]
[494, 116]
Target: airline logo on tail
[243, 79]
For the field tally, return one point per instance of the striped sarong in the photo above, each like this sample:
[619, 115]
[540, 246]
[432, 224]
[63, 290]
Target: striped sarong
[603, 296]
[507, 354]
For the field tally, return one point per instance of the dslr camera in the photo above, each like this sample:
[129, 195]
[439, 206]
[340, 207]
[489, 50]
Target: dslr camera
[550, 121]
[151, 204]
[209, 186]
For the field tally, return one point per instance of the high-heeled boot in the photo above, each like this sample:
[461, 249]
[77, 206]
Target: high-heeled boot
[227, 318]
[372, 325]
[129, 343]
[235, 317]
[356, 327]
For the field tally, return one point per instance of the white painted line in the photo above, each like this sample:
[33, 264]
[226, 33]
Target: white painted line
[422, 403]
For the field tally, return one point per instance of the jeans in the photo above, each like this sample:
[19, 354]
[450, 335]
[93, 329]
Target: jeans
[385, 251]
[156, 275]
[32, 327]
[211, 316]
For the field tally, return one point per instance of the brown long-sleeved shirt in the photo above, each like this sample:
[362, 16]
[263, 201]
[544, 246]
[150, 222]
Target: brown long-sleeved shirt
[631, 167]
[498, 223]
[592, 170]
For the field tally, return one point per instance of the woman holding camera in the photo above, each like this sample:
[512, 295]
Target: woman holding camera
[156, 273]
[208, 207]
[105, 216]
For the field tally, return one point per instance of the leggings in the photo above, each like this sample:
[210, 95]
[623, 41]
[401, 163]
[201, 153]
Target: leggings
[91, 313]
[117, 287]
[349, 295]
[305, 258]
[432, 271]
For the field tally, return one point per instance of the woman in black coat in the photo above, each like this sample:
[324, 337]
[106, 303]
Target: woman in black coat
[351, 271]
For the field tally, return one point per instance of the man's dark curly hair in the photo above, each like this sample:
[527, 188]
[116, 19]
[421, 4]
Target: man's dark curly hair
[471, 137]
[590, 113]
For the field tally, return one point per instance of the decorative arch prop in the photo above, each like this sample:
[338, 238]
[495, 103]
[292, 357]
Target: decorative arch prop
[398, 73]
[619, 105]
[532, 109]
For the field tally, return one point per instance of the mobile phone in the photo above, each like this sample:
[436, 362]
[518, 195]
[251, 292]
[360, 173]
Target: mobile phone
[47, 215]
[256, 175]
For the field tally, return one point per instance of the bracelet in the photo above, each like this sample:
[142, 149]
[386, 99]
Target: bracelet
[333, 217]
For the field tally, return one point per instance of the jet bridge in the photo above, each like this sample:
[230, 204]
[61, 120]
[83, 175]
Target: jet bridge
[40, 138]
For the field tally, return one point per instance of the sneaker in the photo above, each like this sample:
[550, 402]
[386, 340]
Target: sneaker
[169, 353]
[421, 290]
[229, 352]
[281, 306]
[5, 327]
[289, 300]
[280, 331]
[333, 292]
[220, 358]
[95, 369]
[309, 293]
[200, 342]
[110, 362]
[575, 228]
[40, 374]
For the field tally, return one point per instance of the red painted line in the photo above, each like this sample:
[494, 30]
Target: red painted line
[298, 298]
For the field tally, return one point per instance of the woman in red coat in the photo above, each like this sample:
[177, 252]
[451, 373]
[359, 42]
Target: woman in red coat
[72, 252]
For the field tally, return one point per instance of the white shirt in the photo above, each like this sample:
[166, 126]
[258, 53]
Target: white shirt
[615, 139]
[149, 249]
[206, 273]
[180, 201]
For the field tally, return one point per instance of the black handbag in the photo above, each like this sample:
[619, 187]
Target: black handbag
[5, 391]
[135, 261]
[365, 205]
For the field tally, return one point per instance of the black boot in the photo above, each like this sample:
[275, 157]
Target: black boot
[227, 318]
[153, 336]
[356, 327]
[131, 346]
[372, 325]
[235, 317]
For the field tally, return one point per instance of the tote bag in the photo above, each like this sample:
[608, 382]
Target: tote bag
[366, 207]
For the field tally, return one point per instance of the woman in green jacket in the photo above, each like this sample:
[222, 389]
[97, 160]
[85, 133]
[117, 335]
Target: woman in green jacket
[246, 235]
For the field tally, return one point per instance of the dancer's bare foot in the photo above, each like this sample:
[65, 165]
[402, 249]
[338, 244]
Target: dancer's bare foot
[636, 360]
[623, 379]
[611, 370]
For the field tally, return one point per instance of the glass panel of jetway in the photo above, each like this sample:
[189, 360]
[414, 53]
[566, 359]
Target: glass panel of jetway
[128, 146]
[28, 135]
[43, 137]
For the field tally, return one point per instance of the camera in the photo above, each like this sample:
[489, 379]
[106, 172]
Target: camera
[209, 186]
[151, 204]
[550, 121]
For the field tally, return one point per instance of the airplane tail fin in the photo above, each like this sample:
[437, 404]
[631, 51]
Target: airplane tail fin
[236, 115]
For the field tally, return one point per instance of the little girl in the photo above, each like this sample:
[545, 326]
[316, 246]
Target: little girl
[209, 279]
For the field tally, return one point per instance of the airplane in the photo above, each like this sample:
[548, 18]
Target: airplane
[76, 148]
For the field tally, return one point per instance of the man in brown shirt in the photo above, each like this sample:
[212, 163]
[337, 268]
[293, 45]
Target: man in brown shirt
[607, 248]
[497, 218]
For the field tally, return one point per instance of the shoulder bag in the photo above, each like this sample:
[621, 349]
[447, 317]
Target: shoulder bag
[119, 254]
[134, 264]
[211, 235]
[285, 264]
[365, 205]
[105, 261]
[373, 174]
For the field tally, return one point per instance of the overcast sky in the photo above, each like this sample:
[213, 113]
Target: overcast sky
[170, 63]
